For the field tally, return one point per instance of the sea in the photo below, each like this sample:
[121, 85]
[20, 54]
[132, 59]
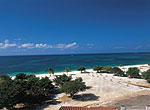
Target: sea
[39, 64]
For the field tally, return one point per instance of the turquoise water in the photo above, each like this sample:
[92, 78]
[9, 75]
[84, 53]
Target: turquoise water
[39, 64]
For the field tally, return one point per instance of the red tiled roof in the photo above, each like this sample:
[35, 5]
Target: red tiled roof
[87, 108]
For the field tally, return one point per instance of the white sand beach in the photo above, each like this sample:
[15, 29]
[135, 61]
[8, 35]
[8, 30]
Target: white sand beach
[103, 88]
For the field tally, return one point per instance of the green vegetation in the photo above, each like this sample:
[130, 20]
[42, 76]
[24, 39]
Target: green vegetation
[69, 86]
[73, 87]
[51, 71]
[21, 76]
[108, 69]
[97, 68]
[4, 77]
[67, 70]
[60, 80]
[133, 72]
[117, 72]
[146, 75]
[81, 68]
[27, 89]
[8, 94]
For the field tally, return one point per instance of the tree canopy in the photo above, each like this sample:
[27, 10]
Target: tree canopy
[60, 80]
[8, 94]
[133, 72]
[50, 70]
[81, 68]
[97, 68]
[108, 69]
[117, 72]
[146, 75]
[24, 88]
[4, 77]
[73, 87]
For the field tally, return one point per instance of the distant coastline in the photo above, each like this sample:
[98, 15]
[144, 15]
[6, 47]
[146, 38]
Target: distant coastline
[61, 72]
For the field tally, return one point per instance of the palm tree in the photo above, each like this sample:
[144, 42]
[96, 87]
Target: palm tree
[67, 70]
[51, 71]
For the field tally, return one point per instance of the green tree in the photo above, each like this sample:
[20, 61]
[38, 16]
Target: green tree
[67, 70]
[51, 71]
[146, 75]
[4, 77]
[21, 76]
[60, 80]
[46, 86]
[73, 87]
[38, 89]
[133, 72]
[8, 94]
[97, 68]
[118, 72]
[81, 68]
[108, 69]
[27, 90]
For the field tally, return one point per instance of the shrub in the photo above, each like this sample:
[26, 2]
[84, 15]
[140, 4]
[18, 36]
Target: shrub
[146, 75]
[118, 72]
[81, 68]
[108, 69]
[97, 68]
[133, 72]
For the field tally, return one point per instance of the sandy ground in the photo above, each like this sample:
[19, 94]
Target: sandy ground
[103, 89]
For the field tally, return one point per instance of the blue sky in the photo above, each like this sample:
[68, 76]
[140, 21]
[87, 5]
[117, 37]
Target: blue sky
[74, 26]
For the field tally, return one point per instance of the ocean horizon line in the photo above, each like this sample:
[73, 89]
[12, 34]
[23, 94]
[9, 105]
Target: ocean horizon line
[78, 54]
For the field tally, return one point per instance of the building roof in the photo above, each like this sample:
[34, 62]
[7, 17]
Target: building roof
[87, 108]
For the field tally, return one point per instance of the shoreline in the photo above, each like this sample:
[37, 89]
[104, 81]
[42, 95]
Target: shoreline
[44, 74]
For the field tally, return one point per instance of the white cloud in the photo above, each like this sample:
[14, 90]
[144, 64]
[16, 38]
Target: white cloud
[43, 46]
[6, 44]
[66, 46]
[71, 45]
[26, 45]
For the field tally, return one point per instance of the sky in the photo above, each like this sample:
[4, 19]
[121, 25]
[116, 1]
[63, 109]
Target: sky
[31, 27]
